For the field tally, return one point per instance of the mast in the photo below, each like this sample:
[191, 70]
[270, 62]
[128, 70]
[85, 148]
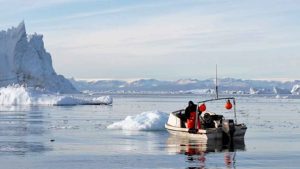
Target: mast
[217, 92]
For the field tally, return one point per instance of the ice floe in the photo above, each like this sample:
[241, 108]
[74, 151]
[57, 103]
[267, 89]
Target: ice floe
[146, 121]
[20, 95]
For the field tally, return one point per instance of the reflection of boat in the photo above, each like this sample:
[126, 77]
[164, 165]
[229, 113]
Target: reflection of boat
[206, 124]
[190, 146]
[196, 150]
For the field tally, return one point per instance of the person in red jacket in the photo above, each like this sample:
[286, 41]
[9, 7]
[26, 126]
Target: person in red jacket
[187, 113]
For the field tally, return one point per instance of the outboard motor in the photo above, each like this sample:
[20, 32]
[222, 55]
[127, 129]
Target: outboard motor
[228, 130]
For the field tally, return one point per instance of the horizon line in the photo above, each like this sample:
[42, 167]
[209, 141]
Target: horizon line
[136, 79]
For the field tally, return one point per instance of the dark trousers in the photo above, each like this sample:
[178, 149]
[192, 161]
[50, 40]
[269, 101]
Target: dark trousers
[182, 122]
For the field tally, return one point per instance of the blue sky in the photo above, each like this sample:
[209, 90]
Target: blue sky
[167, 39]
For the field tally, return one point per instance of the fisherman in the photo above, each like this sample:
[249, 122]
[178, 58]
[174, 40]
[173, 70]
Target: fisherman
[184, 117]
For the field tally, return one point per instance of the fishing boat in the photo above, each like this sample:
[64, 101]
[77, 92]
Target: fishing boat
[208, 124]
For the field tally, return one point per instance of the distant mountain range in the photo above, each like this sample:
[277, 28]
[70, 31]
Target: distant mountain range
[226, 86]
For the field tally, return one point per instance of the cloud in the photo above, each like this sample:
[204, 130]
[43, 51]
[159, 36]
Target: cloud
[188, 30]
[33, 4]
[158, 38]
[162, 35]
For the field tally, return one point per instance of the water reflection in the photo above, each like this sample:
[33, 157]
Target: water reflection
[196, 151]
[21, 147]
[21, 129]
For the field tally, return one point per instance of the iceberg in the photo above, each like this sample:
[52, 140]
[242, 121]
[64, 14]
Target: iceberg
[14, 95]
[24, 60]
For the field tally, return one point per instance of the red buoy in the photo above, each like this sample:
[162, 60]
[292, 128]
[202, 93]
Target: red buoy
[228, 105]
[202, 107]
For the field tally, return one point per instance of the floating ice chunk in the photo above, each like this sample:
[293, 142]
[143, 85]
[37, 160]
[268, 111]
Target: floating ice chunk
[151, 120]
[14, 95]
[20, 95]
[281, 97]
[103, 99]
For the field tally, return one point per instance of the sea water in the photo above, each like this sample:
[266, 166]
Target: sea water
[76, 137]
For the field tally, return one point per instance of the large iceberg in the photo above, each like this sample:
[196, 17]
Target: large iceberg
[24, 60]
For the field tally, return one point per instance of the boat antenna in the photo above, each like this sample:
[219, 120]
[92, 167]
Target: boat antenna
[217, 92]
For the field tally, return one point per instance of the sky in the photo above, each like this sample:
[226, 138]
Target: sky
[165, 39]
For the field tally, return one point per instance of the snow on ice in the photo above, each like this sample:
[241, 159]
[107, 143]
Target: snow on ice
[151, 121]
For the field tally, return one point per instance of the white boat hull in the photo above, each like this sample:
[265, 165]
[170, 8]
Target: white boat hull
[214, 133]
[174, 127]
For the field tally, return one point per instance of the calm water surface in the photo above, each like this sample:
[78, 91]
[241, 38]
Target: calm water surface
[76, 137]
